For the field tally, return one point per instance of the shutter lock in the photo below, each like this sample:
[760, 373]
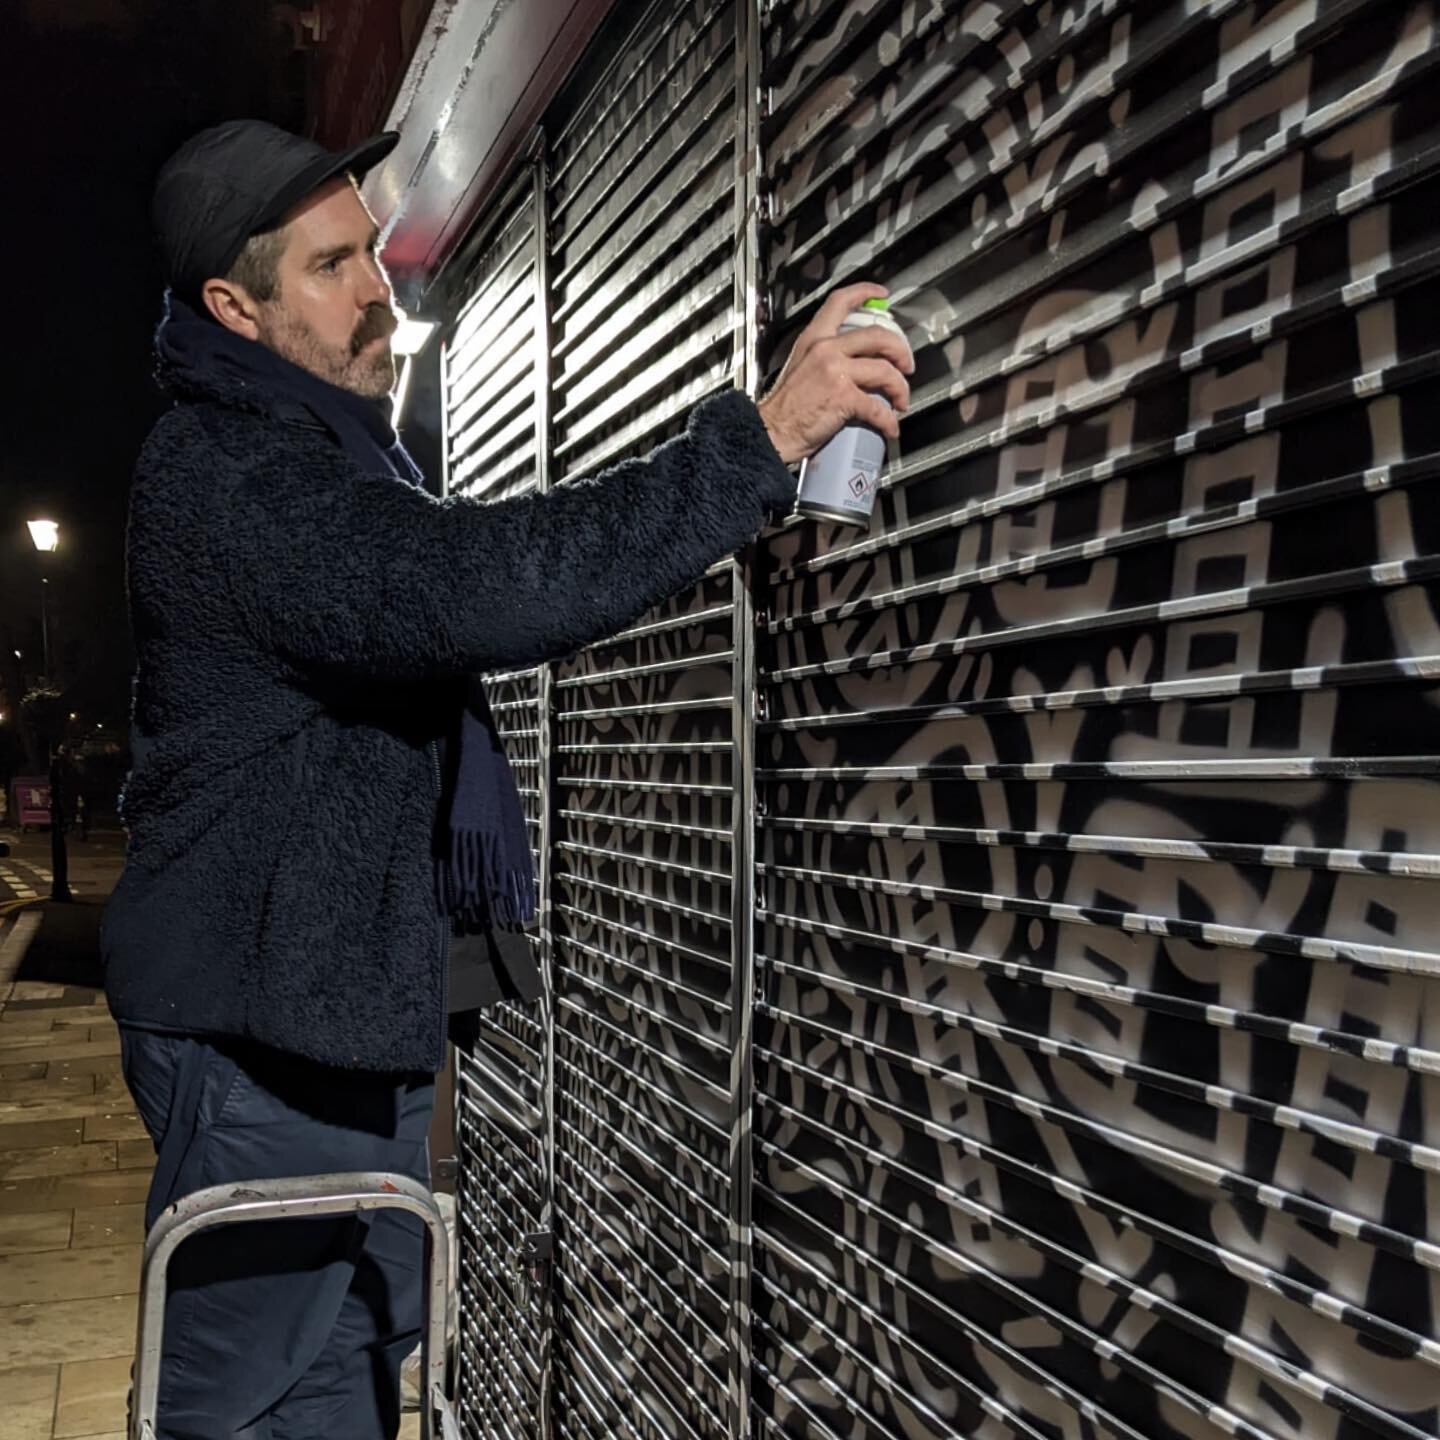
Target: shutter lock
[532, 1264]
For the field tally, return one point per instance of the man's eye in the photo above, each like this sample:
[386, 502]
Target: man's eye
[331, 265]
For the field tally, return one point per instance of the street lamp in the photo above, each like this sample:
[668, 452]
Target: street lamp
[46, 536]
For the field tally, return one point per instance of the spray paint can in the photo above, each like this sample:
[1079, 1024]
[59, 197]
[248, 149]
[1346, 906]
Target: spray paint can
[839, 481]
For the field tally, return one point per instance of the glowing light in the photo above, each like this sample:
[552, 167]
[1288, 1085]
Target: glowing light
[412, 336]
[45, 534]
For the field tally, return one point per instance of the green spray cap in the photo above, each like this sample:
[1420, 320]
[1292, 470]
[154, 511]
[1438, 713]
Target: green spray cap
[876, 305]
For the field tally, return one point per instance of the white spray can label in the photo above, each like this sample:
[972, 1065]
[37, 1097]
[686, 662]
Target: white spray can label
[839, 481]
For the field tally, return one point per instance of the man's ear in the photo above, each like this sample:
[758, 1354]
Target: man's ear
[232, 306]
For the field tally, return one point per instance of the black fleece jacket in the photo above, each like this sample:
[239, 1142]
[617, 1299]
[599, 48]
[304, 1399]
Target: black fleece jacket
[300, 629]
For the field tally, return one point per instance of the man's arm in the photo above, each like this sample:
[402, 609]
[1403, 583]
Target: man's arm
[384, 581]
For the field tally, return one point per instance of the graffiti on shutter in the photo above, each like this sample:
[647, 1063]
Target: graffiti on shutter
[1096, 1059]
[1097, 800]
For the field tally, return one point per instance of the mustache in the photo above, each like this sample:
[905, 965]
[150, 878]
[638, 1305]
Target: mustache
[378, 322]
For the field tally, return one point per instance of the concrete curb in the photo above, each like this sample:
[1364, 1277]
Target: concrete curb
[14, 947]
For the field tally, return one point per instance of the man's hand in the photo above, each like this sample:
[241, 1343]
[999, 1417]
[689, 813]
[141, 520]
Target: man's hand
[824, 383]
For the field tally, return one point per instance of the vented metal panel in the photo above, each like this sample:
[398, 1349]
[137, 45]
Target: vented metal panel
[1096, 1059]
[641, 233]
[491, 359]
[495, 405]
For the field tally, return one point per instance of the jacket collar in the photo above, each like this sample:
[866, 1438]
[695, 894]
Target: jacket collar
[198, 360]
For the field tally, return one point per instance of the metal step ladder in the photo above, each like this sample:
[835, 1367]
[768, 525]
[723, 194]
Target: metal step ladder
[289, 1199]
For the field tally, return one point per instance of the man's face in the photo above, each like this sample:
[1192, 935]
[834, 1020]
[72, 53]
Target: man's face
[332, 314]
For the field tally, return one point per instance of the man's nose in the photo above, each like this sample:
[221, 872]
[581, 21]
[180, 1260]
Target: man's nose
[374, 285]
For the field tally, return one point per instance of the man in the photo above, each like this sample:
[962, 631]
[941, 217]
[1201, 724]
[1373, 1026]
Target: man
[322, 823]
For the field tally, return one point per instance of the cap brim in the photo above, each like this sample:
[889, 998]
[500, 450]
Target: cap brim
[357, 160]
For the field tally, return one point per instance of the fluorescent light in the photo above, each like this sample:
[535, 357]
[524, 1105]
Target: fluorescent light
[411, 336]
[402, 389]
[45, 534]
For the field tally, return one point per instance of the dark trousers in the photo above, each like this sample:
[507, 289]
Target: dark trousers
[285, 1329]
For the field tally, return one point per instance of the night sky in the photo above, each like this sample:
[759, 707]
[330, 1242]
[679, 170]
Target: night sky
[103, 91]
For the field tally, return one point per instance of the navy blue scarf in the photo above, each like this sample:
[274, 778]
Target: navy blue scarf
[483, 866]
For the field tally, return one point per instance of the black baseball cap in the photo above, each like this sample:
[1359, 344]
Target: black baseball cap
[232, 181]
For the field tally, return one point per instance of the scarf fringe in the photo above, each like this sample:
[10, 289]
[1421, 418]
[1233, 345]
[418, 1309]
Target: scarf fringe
[477, 867]
[487, 871]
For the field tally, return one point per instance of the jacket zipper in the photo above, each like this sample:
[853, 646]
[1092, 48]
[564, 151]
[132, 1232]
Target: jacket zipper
[434, 749]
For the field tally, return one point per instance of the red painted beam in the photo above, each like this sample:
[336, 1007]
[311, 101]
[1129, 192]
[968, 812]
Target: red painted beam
[479, 81]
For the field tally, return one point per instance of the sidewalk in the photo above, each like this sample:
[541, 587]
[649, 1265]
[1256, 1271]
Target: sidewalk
[74, 1162]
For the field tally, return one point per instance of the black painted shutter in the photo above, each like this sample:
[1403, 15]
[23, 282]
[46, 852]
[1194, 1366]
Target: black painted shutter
[1096, 1059]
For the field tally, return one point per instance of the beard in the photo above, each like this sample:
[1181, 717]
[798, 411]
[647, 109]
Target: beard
[361, 367]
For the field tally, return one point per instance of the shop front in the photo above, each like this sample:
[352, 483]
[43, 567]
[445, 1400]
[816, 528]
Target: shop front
[993, 976]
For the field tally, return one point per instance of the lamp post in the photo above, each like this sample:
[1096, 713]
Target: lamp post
[46, 536]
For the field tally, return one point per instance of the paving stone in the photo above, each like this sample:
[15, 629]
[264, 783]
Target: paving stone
[13, 1030]
[69, 1192]
[93, 1394]
[94, 1272]
[47, 1087]
[25, 1070]
[51, 1334]
[29, 1405]
[18, 1045]
[122, 1125]
[21, 1234]
[51, 1045]
[36, 990]
[33, 1016]
[97, 1064]
[107, 1225]
[134, 1154]
[71, 997]
[57, 1160]
[85, 1017]
[113, 1083]
[45, 1132]
[67, 1107]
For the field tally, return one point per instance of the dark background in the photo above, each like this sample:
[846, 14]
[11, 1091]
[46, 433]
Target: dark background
[102, 90]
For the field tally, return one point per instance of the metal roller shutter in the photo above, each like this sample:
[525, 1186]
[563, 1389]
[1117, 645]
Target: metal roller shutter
[495, 425]
[1068, 840]
[641, 230]
[1096, 1059]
